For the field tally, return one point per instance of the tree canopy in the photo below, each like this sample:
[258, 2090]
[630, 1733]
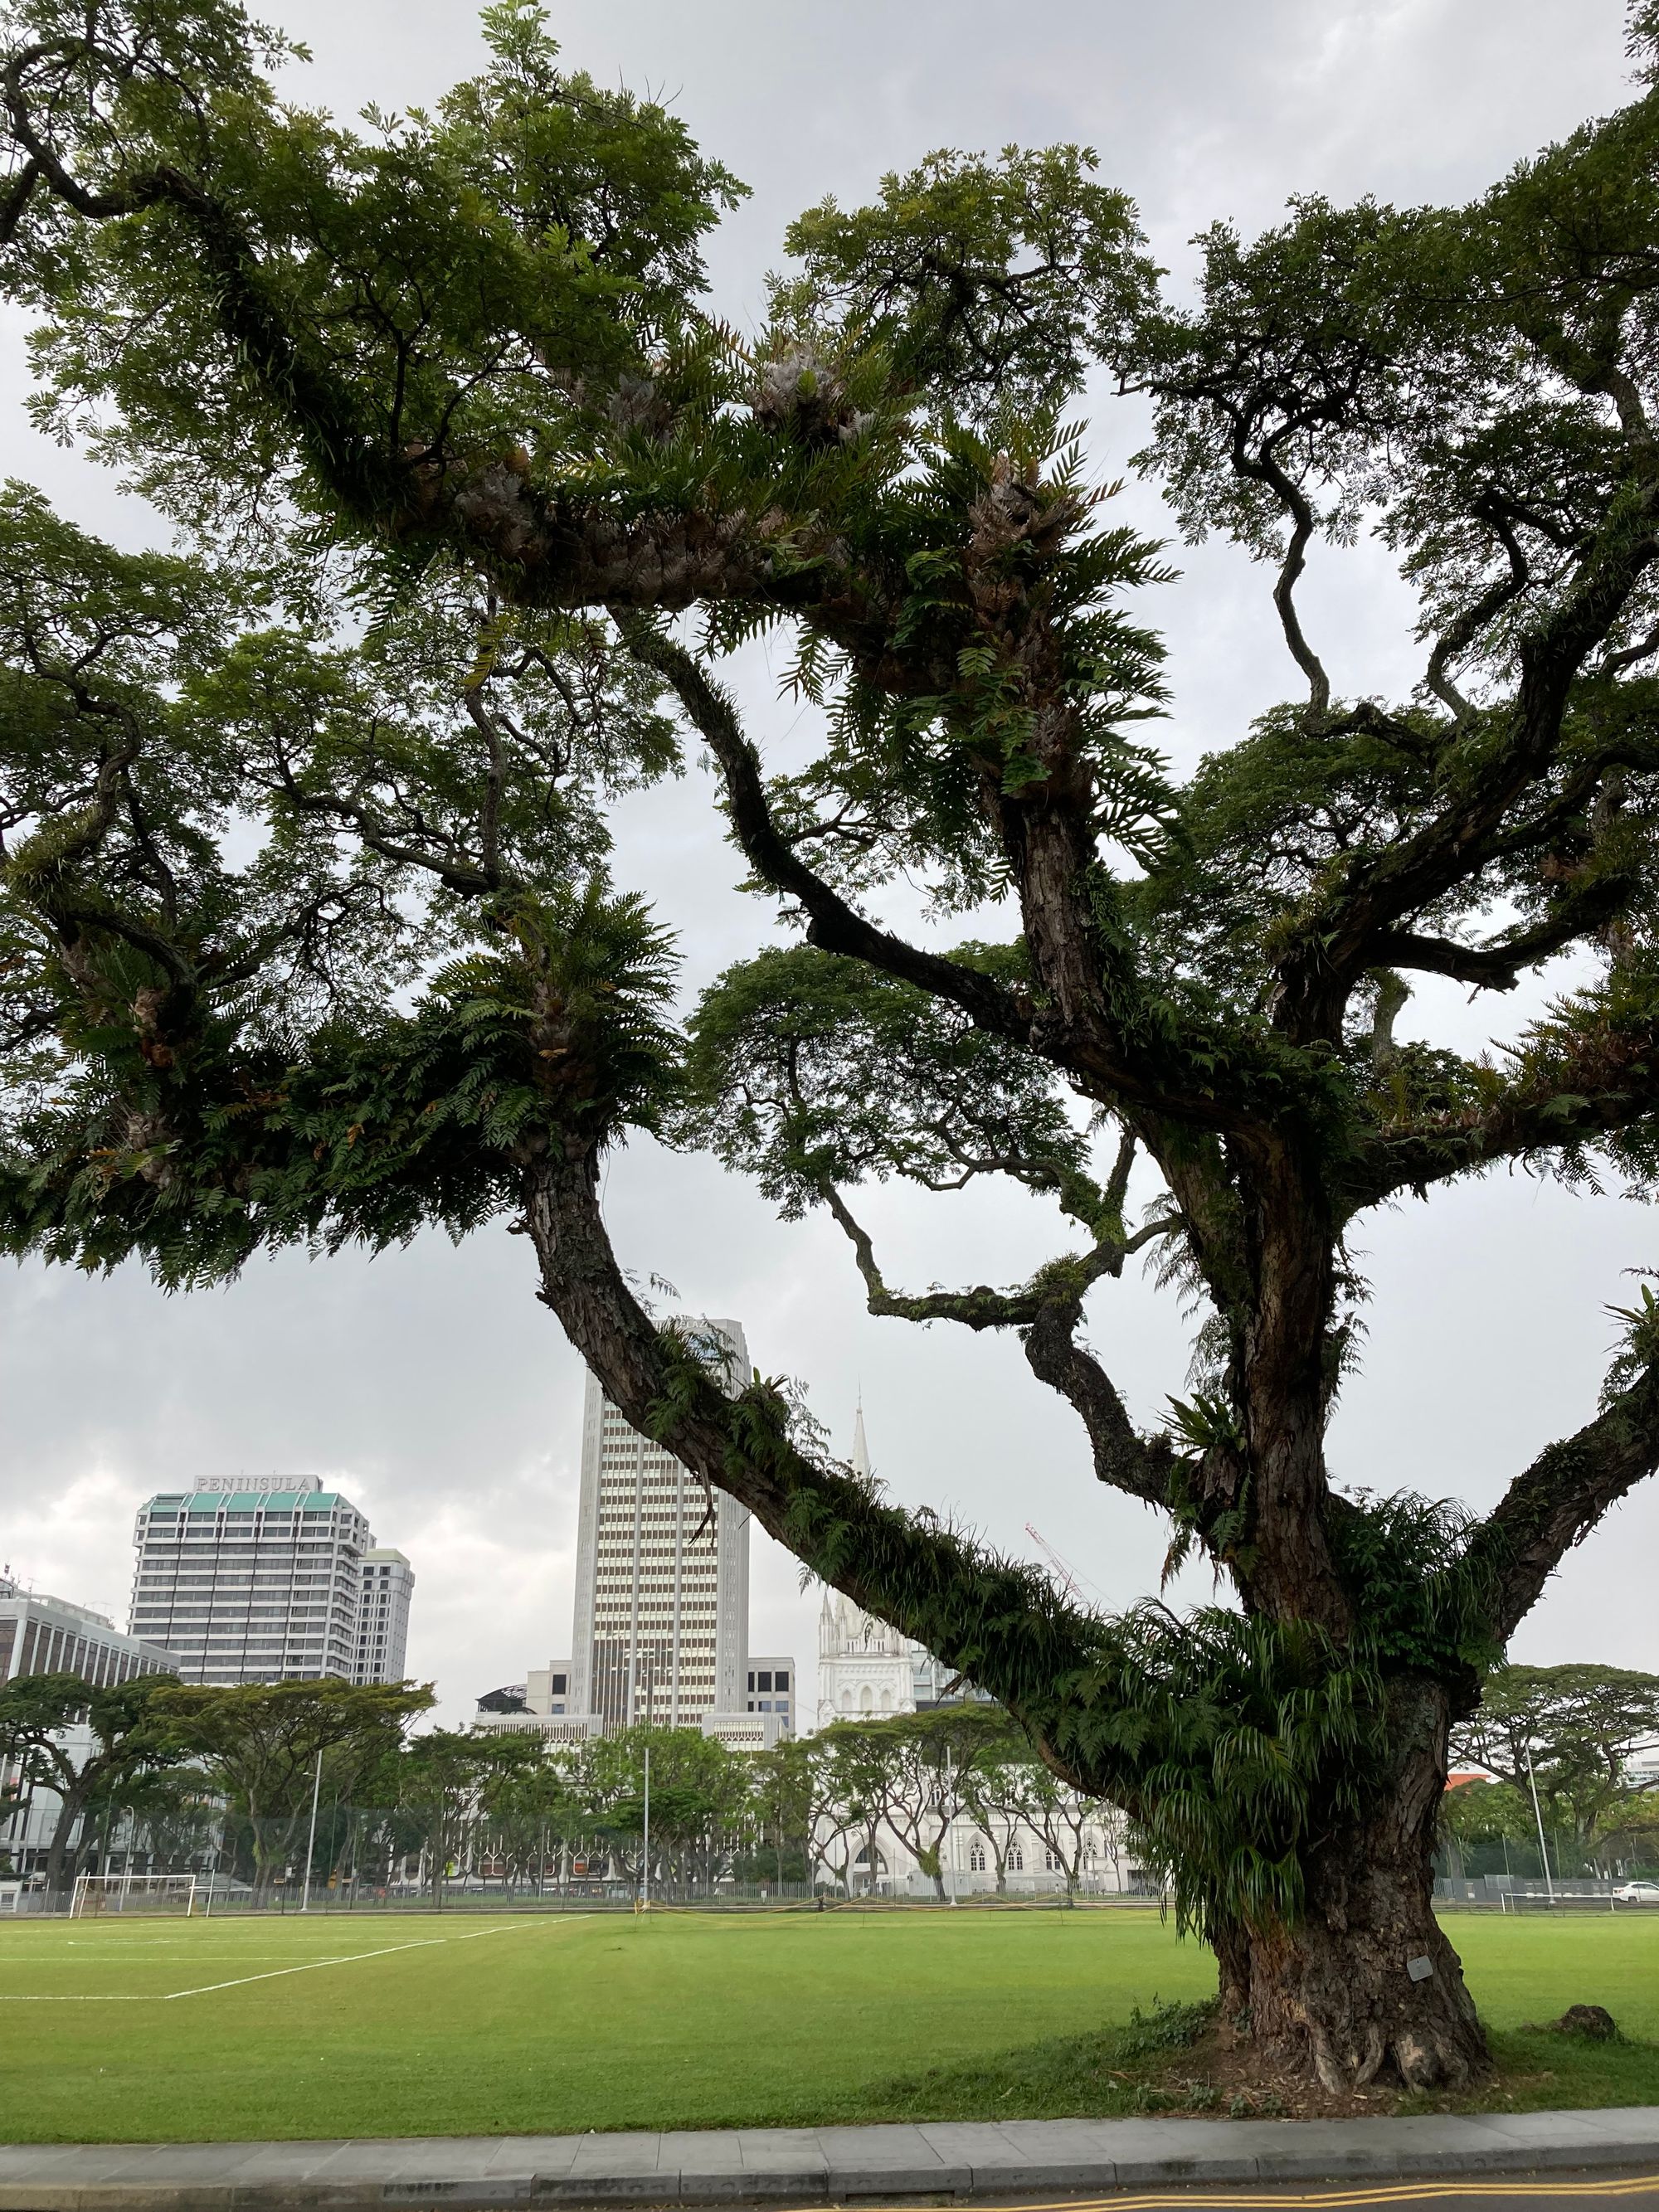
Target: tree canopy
[1575, 1731]
[312, 928]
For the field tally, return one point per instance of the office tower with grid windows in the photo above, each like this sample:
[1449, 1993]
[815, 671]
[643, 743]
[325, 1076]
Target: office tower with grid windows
[385, 1581]
[662, 1575]
[259, 1579]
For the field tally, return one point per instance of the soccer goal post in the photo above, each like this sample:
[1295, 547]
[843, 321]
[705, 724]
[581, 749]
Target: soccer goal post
[132, 1892]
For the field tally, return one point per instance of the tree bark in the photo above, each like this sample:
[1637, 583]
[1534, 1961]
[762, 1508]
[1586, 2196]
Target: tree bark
[71, 1806]
[1366, 1986]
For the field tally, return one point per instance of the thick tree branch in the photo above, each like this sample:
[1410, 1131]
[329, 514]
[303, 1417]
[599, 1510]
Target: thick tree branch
[1342, 939]
[982, 1308]
[1124, 1459]
[1498, 966]
[1563, 1495]
[1263, 468]
[1601, 1081]
[1467, 626]
[974, 1612]
[1049, 1309]
[833, 924]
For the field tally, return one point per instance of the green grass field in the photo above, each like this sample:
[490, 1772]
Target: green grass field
[151, 2030]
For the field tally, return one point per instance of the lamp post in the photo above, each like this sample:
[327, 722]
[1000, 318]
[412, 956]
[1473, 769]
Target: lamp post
[1543, 1853]
[311, 1840]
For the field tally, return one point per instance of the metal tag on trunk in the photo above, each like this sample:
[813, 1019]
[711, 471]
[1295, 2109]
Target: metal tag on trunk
[1420, 1968]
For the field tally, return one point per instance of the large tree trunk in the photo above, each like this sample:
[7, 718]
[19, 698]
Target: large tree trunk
[1365, 1986]
[59, 1874]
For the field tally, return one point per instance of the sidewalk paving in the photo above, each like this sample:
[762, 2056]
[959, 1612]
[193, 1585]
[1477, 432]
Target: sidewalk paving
[807, 2165]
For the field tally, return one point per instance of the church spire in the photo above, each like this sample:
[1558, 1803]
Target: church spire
[861, 1449]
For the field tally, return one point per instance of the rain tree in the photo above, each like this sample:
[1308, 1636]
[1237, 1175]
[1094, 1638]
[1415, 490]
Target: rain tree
[312, 935]
[127, 1743]
[1577, 1732]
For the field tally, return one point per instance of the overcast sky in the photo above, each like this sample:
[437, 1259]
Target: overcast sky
[429, 1385]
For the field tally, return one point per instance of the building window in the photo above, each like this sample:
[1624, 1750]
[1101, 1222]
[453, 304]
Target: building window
[976, 1859]
[1051, 1860]
[1016, 1859]
[763, 1682]
[781, 1681]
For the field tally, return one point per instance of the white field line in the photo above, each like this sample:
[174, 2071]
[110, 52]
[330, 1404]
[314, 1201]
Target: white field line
[240, 1981]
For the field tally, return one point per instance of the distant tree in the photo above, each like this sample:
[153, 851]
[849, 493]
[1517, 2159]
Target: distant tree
[132, 1736]
[783, 1805]
[435, 1781]
[835, 1810]
[698, 1790]
[309, 936]
[530, 1800]
[172, 1814]
[861, 1767]
[260, 1743]
[931, 1755]
[1575, 1728]
[1629, 1841]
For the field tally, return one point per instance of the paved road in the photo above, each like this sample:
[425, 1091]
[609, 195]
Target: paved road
[1639, 2192]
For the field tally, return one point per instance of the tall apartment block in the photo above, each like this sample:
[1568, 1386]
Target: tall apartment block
[385, 1581]
[662, 1576]
[259, 1579]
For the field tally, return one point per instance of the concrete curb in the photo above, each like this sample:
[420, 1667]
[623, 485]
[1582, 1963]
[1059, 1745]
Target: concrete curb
[809, 2166]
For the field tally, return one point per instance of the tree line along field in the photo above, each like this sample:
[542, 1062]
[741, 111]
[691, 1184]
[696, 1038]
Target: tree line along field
[156, 2030]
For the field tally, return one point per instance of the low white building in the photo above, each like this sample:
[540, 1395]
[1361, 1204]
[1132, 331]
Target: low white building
[1093, 1859]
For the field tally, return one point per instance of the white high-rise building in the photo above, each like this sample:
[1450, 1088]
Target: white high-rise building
[662, 1576]
[385, 1584]
[256, 1579]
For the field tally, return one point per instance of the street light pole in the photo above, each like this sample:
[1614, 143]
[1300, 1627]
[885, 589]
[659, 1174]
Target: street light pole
[1537, 1815]
[644, 1870]
[311, 1840]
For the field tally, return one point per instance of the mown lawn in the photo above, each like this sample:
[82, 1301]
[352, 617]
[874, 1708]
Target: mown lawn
[157, 2030]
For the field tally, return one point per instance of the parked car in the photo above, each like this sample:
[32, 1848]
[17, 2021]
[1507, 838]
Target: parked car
[1638, 1893]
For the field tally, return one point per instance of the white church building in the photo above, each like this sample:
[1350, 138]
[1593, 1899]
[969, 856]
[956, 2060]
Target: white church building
[866, 1669]
[865, 1666]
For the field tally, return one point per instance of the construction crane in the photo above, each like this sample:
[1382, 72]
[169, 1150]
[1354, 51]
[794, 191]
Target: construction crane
[1068, 1581]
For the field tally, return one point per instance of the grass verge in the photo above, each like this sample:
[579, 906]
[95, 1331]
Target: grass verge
[191, 2031]
[1121, 2074]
